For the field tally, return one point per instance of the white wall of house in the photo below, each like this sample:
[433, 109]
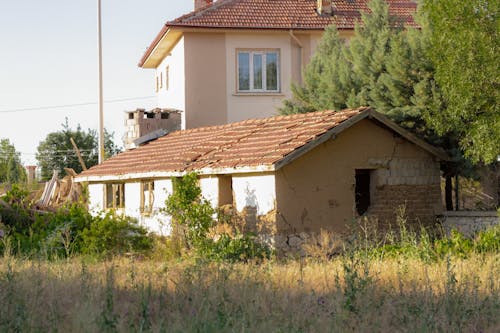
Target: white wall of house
[158, 221]
[96, 198]
[175, 96]
[210, 189]
[255, 191]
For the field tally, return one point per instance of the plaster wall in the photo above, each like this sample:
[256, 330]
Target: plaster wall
[316, 191]
[241, 106]
[96, 198]
[175, 96]
[255, 190]
[205, 69]
[158, 222]
[210, 189]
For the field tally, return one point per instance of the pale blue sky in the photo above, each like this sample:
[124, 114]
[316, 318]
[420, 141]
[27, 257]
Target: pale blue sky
[48, 57]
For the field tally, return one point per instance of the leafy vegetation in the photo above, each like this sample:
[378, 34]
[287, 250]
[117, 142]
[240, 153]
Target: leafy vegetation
[193, 218]
[465, 50]
[68, 231]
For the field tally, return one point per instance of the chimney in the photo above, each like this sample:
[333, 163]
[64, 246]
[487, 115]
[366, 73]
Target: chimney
[201, 3]
[31, 173]
[325, 7]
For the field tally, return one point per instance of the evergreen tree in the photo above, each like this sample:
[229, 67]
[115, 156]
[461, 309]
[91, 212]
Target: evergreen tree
[11, 168]
[383, 66]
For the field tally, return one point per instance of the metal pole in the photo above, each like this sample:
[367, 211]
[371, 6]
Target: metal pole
[100, 97]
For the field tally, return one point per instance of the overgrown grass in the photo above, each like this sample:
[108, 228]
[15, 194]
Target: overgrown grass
[346, 294]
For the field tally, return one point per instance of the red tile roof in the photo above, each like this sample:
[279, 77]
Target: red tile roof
[250, 143]
[285, 14]
[280, 15]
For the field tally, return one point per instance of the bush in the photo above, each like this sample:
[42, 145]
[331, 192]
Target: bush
[112, 235]
[67, 231]
[193, 217]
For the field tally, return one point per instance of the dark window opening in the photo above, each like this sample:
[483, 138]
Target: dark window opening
[149, 115]
[362, 190]
[130, 115]
[225, 190]
[115, 196]
[164, 115]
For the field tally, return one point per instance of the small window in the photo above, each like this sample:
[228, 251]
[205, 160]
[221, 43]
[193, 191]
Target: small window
[164, 115]
[115, 196]
[362, 190]
[147, 196]
[167, 78]
[149, 115]
[131, 115]
[157, 86]
[161, 80]
[258, 71]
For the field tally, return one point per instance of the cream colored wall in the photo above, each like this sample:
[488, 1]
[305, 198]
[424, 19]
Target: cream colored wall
[175, 96]
[241, 106]
[205, 72]
[317, 190]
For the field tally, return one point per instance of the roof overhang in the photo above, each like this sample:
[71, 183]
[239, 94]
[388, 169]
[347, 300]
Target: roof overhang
[171, 174]
[160, 47]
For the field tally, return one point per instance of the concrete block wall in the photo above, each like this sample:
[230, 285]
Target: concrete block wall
[469, 222]
[410, 183]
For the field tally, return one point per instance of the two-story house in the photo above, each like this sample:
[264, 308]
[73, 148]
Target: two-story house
[231, 60]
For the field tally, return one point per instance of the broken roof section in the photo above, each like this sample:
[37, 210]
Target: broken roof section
[278, 15]
[255, 145]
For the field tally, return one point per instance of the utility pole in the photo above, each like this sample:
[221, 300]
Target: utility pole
[100, 97]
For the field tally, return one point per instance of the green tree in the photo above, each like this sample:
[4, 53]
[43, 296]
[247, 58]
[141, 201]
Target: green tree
[383, 66]
[56, 152]
[465, 51]
[11, 168]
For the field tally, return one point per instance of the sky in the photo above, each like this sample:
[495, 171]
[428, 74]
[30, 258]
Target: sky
[48, 60]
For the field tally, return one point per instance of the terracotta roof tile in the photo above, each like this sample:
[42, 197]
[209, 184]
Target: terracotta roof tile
[261, 142]
[285, 14]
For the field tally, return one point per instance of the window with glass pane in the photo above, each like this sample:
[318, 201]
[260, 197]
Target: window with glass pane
[244, 71]
[272, 71]
[258, 71]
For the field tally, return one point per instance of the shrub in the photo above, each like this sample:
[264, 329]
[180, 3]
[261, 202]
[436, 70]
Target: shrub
[113, 234]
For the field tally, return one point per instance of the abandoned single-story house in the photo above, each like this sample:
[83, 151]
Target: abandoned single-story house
[298, 173]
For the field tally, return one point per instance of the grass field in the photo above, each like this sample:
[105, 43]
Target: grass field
[346, 294]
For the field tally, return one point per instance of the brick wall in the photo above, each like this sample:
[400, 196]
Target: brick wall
[469, 222]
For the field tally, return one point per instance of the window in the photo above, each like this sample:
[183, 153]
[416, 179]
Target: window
[115, 196]
[258, 71]
[147, 196]
[157, 87]
[167, 78]
[362, 190]
[161, 80]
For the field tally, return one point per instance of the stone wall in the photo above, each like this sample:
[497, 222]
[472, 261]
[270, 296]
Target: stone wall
[469, 222]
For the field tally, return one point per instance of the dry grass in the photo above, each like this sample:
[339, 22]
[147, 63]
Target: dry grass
[345, 294]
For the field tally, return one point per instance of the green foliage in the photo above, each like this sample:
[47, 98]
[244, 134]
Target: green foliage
[67, 231]
[113, 235]
[191, 213]
[382, 66]
[56, 152]
[193, 217]
[465, 51]
[239, 248]
[11, 168]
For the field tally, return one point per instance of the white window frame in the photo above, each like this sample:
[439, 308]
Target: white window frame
[251, 53]
[147, 188]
